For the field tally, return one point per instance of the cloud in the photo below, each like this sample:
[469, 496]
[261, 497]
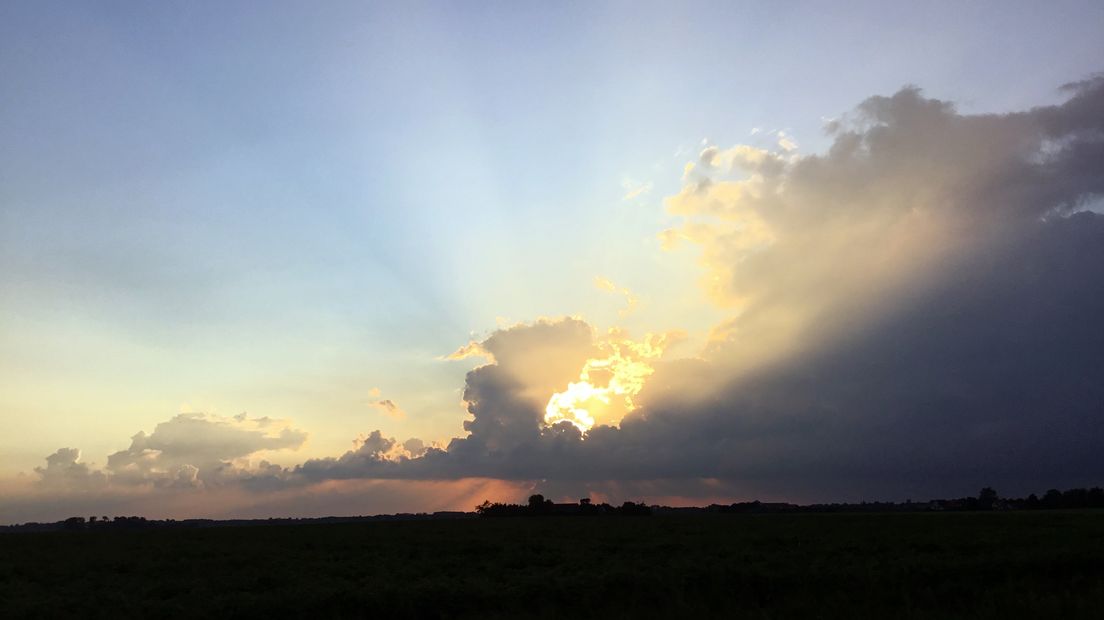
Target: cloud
[415, 447]
[372, 456]
[390, 409]
[635, 189]
[506, 399]
[915, 311]
[786, 143]
[909, 191]
[909, 315]
[631, 301]
[521, 406]
[472, 349]
[188, 450]
[64, 470]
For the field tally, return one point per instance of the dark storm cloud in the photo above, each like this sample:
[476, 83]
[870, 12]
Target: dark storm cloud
[996, 377]
[949, 324]
[920, 313]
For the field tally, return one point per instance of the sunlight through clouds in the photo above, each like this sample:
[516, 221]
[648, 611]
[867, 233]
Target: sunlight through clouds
[478, 249]
[607, 385]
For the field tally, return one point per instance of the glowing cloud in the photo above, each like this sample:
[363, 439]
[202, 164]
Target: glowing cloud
[472, 349]
[607, 385]
[631, 300]
[389, 409]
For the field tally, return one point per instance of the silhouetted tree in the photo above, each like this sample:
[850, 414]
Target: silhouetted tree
[635, 510]
[1096, 497]
[1052, 499]
[538, 505]
[1075, 498]
[986, 498]
[587, 508]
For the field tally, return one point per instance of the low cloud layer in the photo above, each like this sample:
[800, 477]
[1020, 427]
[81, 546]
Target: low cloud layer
[190, 450]
[916, 311]
[64, 470]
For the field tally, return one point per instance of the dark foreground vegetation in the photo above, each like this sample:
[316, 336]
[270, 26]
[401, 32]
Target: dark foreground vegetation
[985, 564]
[987, 500]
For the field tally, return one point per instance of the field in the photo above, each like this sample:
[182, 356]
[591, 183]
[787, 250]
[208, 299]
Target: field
[942, 565]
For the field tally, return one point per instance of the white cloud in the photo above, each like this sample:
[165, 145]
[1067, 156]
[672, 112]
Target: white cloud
[634, 189]
[194, 447]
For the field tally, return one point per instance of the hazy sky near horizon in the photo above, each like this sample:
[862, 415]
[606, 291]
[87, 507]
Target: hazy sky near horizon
[299, 211]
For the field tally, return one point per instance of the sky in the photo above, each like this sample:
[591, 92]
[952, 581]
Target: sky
[290, 259]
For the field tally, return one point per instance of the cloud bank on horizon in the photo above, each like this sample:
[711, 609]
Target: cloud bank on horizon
[915, 311]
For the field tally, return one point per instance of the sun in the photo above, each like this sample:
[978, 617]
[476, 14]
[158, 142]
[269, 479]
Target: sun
[607, 385]
[575, 404]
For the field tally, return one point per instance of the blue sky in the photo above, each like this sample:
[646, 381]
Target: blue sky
[276, 207]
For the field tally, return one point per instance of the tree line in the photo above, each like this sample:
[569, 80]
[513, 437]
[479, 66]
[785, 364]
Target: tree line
[538, 506]
[986, 499]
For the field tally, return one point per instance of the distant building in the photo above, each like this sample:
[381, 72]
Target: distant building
[564, 509]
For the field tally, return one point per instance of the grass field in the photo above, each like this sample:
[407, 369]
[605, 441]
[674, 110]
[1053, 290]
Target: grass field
[945, 565]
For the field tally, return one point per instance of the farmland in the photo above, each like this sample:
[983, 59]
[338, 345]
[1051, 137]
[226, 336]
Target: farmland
[914, 565]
